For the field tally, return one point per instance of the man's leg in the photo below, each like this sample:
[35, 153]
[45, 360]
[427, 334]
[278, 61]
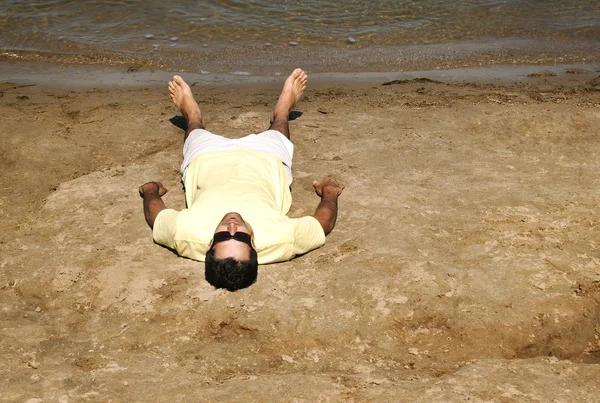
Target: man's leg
[182, 97]
[292, 91]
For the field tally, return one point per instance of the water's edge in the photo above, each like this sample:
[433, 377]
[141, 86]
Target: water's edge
[263, 60]
[86, 76]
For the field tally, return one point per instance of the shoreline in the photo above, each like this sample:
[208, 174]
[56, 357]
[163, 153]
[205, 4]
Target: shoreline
[54, 75]
[279, 58]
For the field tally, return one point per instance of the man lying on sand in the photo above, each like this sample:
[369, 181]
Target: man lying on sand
[237, 194]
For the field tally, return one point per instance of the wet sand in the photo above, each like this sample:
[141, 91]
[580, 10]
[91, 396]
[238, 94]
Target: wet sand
[278, 57]
[465, 265]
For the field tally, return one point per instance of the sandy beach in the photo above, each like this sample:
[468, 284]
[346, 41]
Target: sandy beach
[465, 264]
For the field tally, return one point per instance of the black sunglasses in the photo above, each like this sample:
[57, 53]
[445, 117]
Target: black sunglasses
[223, 236]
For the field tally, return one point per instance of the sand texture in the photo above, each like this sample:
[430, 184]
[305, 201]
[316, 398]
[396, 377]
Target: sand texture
[465, 264]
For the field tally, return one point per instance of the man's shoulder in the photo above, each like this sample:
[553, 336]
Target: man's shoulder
[287, 237]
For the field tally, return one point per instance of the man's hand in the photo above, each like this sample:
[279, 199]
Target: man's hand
[152, 189]
[330, 183]
[326, 213]
[152, 192]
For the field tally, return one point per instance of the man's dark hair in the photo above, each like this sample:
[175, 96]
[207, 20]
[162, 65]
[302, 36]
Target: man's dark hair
[230, 273]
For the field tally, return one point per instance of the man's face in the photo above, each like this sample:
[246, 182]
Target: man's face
[232, 223]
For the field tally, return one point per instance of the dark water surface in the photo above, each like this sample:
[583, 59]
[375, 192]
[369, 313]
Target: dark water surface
[265, 37]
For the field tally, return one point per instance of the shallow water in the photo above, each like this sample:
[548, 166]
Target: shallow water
[221, 35]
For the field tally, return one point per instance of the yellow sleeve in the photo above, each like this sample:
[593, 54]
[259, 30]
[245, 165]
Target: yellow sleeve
[165, 228]
[308, 235]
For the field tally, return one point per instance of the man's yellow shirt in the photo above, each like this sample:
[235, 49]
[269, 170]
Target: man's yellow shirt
[251, 183]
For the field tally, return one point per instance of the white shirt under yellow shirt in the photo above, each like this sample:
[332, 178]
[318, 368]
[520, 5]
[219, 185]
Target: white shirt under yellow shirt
[251, 183]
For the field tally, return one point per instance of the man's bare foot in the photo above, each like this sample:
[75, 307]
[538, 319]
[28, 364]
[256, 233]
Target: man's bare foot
[293, 88]
[182, 97]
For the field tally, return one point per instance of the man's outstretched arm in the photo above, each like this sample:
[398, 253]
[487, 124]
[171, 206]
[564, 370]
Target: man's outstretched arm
[326, 212]
[152, 193]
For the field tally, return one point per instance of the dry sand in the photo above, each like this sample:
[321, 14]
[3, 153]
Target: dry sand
[465, 264]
